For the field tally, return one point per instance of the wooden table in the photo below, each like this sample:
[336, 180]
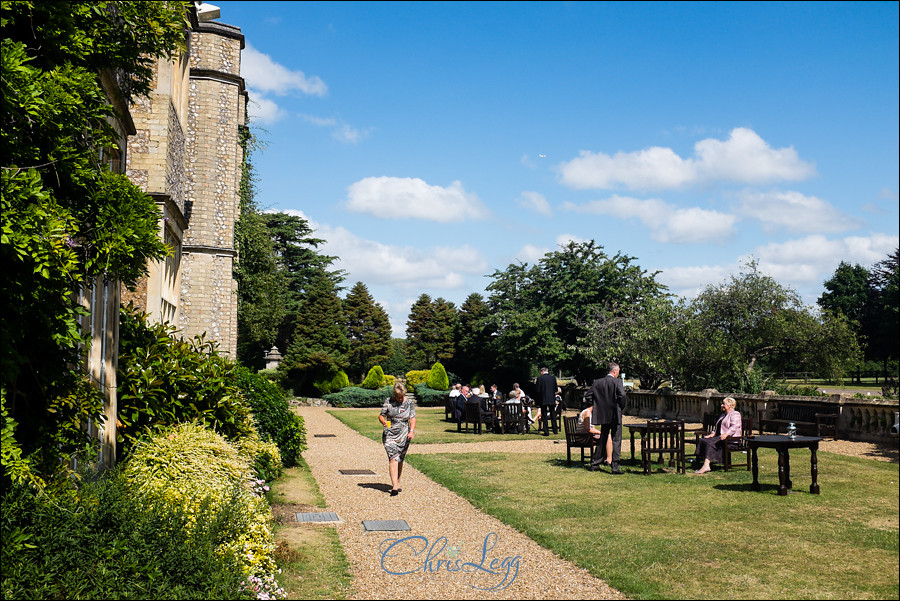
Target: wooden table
[641, 427]
[783, 444]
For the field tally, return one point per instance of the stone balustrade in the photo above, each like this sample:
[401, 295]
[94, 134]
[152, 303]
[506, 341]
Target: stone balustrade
[858, 419]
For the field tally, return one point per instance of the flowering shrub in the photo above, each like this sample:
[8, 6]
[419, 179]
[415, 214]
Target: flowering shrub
[191, 467]
[263, 588]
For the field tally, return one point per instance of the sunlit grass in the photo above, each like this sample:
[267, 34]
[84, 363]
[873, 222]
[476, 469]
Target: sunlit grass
[677, 536]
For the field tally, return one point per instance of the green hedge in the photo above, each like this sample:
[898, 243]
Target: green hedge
[358, 397]
[272, 416]
[428, 397]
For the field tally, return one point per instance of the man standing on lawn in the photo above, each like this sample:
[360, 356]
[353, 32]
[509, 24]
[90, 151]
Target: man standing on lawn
[608, 395]
[546, 398]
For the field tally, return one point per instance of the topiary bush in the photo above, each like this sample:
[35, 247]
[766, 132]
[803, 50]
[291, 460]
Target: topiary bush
[388, 380]
[353, 396]
[374, 378]
[437, 378]
[339, 381]
[272, 416]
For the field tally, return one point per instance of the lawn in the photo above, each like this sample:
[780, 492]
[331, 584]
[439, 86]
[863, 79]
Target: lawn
[430, 427]
[676, 536]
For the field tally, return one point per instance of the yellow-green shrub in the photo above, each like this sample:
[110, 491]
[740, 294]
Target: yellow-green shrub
[416, 376]
[387, 380]
[189, 467]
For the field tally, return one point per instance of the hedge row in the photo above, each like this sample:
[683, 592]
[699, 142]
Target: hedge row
[358, 397]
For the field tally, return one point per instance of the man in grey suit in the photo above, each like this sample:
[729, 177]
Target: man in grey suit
[608, 395]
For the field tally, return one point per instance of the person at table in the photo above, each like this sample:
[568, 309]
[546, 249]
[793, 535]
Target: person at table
[460, 403]
[608, 399]
[398, 417]
[709, 448]
[585, 432]
[546, 398]
[496, 397]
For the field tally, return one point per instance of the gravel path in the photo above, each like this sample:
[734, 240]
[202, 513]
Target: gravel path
[449, 527]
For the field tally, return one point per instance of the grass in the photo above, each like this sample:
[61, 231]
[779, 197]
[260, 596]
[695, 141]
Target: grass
[310, 556]
[676, 536]
[430, 427]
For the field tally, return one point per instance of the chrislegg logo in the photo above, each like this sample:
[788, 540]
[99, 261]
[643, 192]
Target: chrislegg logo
[401, 556]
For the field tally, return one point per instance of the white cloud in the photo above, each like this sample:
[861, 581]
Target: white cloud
[534, 202]
[413, 198]
[564, 239]
[263, 110]
[794, 211]
[340, 131]
[802, 264]
[376, 263]
[667, 223]
[744, 157]
[265, 75]
[531, 253]
[747, 158]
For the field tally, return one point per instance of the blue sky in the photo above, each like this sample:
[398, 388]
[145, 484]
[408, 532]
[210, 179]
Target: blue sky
[431, 144]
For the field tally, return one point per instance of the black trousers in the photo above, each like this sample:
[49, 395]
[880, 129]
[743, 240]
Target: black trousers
[548, 412]
[599, 454]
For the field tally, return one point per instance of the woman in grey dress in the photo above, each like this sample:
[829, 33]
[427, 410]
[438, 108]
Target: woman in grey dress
[398, 416]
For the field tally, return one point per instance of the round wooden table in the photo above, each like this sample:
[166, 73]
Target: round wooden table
[783, 444]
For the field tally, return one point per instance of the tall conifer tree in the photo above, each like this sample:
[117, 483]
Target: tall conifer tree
[368, 330]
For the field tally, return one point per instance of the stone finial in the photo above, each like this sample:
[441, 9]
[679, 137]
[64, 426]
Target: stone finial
[273, 358]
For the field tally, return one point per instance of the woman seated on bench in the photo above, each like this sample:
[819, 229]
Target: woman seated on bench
[709, 448]
[584, 431]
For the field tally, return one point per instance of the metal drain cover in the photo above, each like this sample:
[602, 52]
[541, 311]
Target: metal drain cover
[329, 516]
[324, 435]
[385, 525]
[357, 472]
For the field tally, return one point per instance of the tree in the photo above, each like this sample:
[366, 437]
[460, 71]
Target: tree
[300, 263]
[397, 362]
[474, 346]
[541, 312]
[430, 331]
[368, 330]
[885, 282]
[261, 283]
[67, 218]
[319, 346]
[640, 339]
[755, 320]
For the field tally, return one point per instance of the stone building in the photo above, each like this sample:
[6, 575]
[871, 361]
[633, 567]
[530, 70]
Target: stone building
[186, 154]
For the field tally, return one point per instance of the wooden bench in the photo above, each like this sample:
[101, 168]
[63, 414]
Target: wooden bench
[573, 441]
[810, 419]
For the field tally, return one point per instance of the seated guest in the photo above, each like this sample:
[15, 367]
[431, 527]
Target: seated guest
[585, 430]
[460, 403]
[519, 392]
[496, 397]
[454, 392]
[709, 448]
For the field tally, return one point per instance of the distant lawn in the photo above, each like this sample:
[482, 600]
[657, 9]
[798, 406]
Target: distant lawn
[430, 427]
[675, 536]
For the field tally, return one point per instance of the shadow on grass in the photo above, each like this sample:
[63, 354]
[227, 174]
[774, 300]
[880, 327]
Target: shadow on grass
[745, 487]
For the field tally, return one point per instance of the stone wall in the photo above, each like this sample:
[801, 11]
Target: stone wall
[215, 109]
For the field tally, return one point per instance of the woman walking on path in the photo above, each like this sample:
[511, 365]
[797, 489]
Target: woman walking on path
[398, 416]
